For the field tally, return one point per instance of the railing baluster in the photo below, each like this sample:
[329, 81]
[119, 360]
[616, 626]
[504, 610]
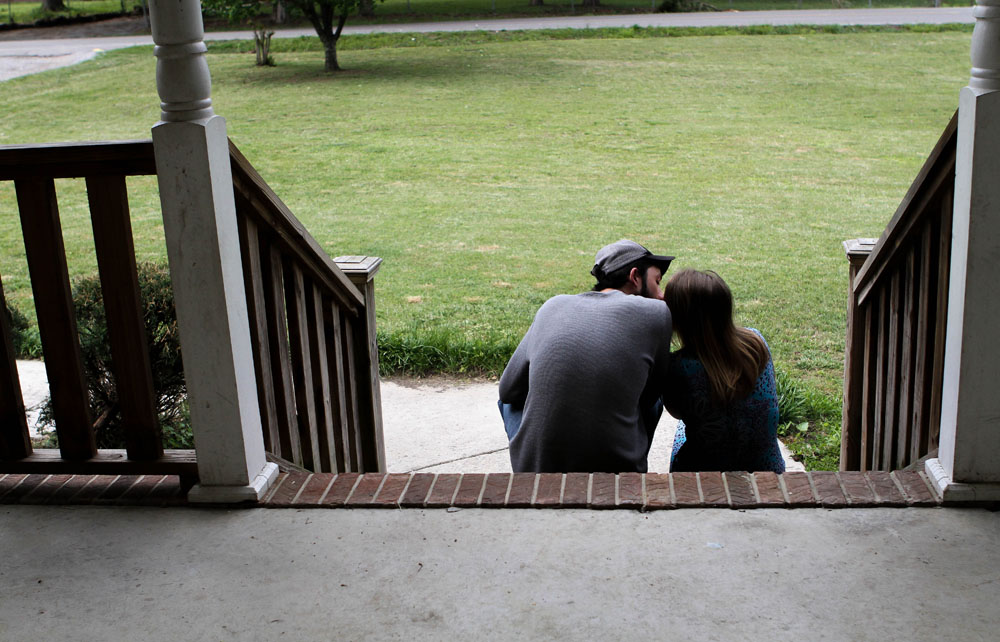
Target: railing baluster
[941, 314]
[924, 344]
[881, 349]
[302, 375]
[351, 389]
[908, 350]
[321, 381]
[281, 373]
[868, 390]
[892, 375]
[15, 442]
[253, 277]
[109, 215]
[338, 383]
[43, 244]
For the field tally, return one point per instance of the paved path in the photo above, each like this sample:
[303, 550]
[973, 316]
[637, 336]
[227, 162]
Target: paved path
[23, 57]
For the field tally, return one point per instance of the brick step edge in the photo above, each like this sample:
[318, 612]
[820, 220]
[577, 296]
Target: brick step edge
[646, 491]
[635, 491]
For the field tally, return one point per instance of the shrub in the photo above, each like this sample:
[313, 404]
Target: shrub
[164, 353]
[24, 336]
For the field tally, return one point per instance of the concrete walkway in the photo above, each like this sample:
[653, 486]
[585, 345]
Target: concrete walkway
[23, 57]
[436, 425]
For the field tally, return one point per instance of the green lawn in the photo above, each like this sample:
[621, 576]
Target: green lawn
[487, 174]
[22, 12]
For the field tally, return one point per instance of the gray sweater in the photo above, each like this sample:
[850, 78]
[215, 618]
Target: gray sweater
[588, 372]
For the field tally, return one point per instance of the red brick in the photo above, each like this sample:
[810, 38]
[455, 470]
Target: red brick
[768, 489]
[575, 492]
[289, 488]
[364, 493]
[522, 490]
[417, 491]
[45, 490]
[140, 489]
[28, 484]
[117, 488]
[341, 489]
[169, 491]
[828, 489]
[856, 488]
[740, 490]
[917, 492]
[886, 491]
[315, 489]
[800, 491]
[658, 491]
[549, 489]
[469, 490]
[8, 483]
[393, 487]
[712, 490]
[630, 490]
[686, 489]
[66, 492]
[603, 490]
[496, 489]
[443, 491]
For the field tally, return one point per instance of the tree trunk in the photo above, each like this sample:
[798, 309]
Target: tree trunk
[330, 55]
[278, 13]
[537, 3]
[53, 5]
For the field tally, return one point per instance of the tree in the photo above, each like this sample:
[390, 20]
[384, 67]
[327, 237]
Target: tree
[245, 11]
[53, 5]
[321, 14]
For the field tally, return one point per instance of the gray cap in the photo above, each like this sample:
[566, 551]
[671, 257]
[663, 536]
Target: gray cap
[621, 253]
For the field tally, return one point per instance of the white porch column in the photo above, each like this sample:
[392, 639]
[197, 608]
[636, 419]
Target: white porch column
[968, 463]
[199, 220]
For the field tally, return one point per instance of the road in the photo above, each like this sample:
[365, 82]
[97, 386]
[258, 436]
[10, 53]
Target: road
[23, 57]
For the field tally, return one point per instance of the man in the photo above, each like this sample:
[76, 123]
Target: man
[589, 372]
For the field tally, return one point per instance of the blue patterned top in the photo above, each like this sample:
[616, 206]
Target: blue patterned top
[740, 436]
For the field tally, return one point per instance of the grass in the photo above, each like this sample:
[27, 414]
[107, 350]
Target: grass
[487, 172]
[28, 12]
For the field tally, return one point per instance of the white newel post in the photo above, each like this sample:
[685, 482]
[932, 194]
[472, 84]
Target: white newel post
[199, 220]
[968, 464]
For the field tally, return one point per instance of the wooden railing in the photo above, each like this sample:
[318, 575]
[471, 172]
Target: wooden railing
[897, 309]
[313, 332]
[312, 325]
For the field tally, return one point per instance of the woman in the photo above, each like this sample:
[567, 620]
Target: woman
[721, 384]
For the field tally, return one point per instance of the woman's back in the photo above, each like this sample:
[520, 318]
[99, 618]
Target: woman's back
[737, 435]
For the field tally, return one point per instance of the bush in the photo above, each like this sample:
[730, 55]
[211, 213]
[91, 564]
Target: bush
[164, 353]
[24, 336]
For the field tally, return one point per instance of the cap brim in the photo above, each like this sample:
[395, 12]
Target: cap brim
[660, 260]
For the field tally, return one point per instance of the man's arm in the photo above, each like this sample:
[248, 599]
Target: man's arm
[514, 381]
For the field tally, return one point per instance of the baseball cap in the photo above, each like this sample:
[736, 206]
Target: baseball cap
[620, 253]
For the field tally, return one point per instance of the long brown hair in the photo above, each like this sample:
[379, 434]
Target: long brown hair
[701, 305]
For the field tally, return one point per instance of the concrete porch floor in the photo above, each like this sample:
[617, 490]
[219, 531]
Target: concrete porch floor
[133, 573]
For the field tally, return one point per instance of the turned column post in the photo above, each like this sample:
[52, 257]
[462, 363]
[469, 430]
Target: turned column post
[199, 221]
[968, 463]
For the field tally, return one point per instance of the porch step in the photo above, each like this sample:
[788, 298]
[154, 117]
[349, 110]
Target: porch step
[632, 491]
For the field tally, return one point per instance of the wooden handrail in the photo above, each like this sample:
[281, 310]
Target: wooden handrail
[269, 210]
[72, 160]
[897, 310]
[937, 171]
